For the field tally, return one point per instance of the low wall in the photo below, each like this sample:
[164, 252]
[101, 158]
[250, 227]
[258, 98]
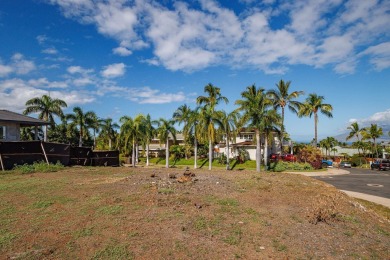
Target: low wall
[19, 153]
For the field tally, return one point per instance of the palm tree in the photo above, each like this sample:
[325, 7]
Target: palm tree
[373, 132]
[230, 121]
[281, 98]
[82, 121]
[270, 123]
[312, 106]
[182, 115]
[166, 128]
[355, 132]
[47, 109]
[208, 115]
[95, 124]
[148, 130]
[213, 98]
[107, 130]
[328, 144]
[127, 136]
[253, 104]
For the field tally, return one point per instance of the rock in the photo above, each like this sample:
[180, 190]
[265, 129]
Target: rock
[183, 179]
[172, 175]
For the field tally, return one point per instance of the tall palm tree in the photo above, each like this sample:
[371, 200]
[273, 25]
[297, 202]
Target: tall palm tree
[47, 109]
[95, 124]
[312, 106]
[282, 98]
[128, 136]
[82, 121]
[373, 132]
[164, 130]
[230, 122]
[213, 98]
[253, 105]
[182, 115]
[355, 132]
[107, 130]
[208, 120]
[270, 123]
[208, 115]
[149, 132]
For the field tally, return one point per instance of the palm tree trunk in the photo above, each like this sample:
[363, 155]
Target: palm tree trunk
[210, 154]
[167, 154]
[81, 137]
[147, 154]
[227, 153]
[265, 151]
[195, 152]
[109, 144]
[315, 129]
[136, 152]
[258, 151]
[133, 154]
[45, 134]
[282, 132]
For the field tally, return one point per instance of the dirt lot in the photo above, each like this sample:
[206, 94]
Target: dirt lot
[126, 213]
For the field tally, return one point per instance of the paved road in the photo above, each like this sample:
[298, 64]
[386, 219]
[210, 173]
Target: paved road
[365, 181]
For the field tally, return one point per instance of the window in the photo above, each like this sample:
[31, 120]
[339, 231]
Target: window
[2, 132]
[246, 136]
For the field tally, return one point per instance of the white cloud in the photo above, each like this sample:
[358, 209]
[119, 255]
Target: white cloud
[78, 70]
[5, 70]
[21, 65]
[15, 92]
[379, 55]
[380, 118]
[122, 51]
[50, 50]
[114, 70]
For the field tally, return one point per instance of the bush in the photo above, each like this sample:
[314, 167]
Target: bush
[281, 166]
[312, 155]
[357, 161]
[38, 167]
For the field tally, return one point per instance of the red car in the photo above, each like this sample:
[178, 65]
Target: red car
[289, 158]
[274, 157]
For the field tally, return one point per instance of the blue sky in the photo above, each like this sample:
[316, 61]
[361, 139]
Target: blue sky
[121, 57]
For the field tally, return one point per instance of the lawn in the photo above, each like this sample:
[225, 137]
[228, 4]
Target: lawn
[156, 213]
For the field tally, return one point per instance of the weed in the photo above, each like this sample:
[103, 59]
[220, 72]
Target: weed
[85, 232]
[278, 246]
[235, 236]
[348, 233]
[228, 202]
[166, 191]
[200, 223]
[42, 204]
[114, 252]
[38, 167]
[6, 238]
[110, 210]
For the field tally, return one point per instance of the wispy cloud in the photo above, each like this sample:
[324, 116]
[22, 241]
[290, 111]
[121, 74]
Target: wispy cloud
[114, 70]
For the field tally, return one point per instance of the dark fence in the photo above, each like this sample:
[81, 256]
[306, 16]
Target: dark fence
[19, 153]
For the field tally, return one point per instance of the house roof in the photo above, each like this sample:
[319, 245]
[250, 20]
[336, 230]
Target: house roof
[8, 116]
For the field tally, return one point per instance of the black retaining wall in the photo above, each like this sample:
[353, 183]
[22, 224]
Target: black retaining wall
[19, 153]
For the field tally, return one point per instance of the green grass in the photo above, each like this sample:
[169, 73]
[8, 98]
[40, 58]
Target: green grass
[110, 210]
[38, 167]
[6, 238]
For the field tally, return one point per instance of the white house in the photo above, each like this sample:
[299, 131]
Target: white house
[246, 140]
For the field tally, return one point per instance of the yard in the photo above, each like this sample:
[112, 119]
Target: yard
[158, 213]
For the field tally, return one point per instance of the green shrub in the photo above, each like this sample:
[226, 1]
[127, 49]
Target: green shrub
[281, 166]
[38, 167]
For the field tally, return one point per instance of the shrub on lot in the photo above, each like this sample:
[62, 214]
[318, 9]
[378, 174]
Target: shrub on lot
[281, 166]
[312, 155]
[38, 167]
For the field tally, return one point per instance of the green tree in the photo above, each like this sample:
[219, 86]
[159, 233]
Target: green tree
[282, 98]
[229, 121]
[355, 132]
[107, 130]
[253, 105]
[209, 116]
[127, 136]
[164, 130]
[47, 109]
[312, 106]
[373, 132]
[82, 121]
[183, 115]
[270, 124]
[328, 143]
[148, 134]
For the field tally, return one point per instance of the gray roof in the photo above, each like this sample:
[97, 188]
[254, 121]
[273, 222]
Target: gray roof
[8, 116]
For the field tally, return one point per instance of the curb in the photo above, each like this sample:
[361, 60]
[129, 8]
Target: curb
[378, 200]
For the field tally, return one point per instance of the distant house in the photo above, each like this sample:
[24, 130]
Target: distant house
[11, 122]
[157, 148]
[246, 140]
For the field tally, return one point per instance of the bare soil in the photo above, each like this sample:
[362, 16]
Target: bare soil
[157, 213]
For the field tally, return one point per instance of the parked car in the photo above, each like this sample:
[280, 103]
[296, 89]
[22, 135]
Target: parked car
[289, 158]
[327, 163]
[345, 164]
[274, 157]
[381, 165]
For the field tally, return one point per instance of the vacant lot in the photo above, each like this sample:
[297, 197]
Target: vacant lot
[126, 213]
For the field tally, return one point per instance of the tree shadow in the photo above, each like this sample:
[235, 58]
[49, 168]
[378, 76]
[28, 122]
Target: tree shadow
[204, 162]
